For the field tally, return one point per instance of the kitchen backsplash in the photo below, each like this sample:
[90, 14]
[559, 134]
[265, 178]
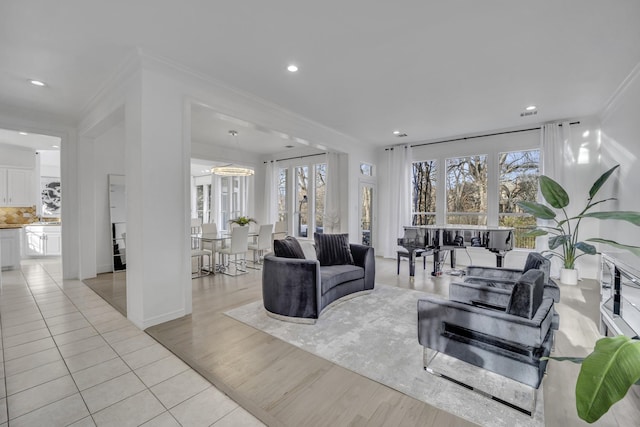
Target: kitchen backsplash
[21, 215]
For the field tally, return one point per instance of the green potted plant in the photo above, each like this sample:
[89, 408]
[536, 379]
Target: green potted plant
[564, 240]
[242, 220]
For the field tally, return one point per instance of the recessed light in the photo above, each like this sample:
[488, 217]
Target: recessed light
[292, 68]
[396, 132]
[531, 108]
[37, 83]
[399, 134]
[22, 133]
[55, 146]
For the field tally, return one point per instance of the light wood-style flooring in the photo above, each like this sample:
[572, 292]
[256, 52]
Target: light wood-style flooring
[285, 386]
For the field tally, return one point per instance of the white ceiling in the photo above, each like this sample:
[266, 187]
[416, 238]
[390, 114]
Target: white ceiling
[30, 140]
[431, 69]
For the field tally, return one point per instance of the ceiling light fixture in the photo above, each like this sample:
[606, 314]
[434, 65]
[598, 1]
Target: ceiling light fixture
[22, 133]
[396, 132]
[292, 68]
[55, 146]
[531, 108]
[37, 83]
[230, 170]
[399, 134]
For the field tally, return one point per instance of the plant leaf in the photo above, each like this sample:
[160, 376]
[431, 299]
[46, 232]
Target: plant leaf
[606, 375]
[535, 233]
[557, 241]
[633, 249]
[629, 216]
[553, 192]
[538, 210]
[586, 248]
[600, 181]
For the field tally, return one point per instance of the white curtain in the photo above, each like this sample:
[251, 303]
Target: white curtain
[556, 158]
[270, 197]
[332, 198]
[399, 191]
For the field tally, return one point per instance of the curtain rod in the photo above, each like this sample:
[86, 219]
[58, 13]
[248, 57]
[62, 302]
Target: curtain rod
[296, 157]
[478, 136]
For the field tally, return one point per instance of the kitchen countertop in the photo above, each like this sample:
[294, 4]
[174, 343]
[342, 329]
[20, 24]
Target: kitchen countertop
[9, 226]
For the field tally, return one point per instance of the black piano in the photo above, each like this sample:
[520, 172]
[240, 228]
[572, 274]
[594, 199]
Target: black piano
[438, 238]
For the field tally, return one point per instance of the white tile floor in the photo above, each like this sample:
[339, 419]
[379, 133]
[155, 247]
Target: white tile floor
[69, 358]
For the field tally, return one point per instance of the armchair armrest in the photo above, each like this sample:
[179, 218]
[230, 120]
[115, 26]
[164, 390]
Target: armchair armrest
[291, 286]
[364, 256]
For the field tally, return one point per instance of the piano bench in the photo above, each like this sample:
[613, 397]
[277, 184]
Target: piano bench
[420, 253]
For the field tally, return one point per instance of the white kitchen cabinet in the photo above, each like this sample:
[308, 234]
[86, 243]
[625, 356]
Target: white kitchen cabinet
[42, 240]
[15, 187]
[10, 248]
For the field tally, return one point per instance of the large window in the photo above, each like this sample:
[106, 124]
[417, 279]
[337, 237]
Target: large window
[467, 190]
[283, 181]
[423, 194]
[203, 201]
[519, 171]
[321, 191]
[302, 200]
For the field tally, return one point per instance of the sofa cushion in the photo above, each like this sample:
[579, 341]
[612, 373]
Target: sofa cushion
[537, 261]
[333, 249]
[527, 294]
[288, 247]
[333, 275]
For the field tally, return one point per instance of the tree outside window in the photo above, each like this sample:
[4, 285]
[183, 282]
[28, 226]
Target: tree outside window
[283, 180]
[321, 190]
[423, 194]
[467, 190]
[519, 172]
[302, 200]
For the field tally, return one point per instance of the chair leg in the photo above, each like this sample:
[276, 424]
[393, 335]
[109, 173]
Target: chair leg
[398, 265]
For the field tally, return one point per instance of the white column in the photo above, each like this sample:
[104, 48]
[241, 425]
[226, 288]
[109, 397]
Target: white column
[87, 207]
[158, 219]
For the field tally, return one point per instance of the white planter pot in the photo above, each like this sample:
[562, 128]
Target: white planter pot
[568, 276]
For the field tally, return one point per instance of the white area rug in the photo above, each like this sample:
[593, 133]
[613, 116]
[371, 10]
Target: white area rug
[376, 336]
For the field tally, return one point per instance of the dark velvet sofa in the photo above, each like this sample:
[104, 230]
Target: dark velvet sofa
[298, 290]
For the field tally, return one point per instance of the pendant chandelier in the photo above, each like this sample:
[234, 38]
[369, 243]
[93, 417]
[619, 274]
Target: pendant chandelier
[231, 170]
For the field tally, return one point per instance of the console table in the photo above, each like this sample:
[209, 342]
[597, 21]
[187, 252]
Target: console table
[620, 292]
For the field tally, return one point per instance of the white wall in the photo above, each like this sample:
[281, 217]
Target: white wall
[18, 157]
[49, 162]
[621, 145]
[108, 159]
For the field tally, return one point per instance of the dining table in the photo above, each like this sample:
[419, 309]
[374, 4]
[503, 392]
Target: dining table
[222, 238]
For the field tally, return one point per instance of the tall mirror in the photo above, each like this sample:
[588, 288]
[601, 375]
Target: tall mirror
[118, 214]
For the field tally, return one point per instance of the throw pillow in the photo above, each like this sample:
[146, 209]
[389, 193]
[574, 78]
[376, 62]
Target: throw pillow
[308, 249]
[333, 249]
[288, 247]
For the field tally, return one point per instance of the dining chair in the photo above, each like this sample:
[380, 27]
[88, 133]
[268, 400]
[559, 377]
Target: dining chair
[239, 246]
[280, 230]
[263, 243]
